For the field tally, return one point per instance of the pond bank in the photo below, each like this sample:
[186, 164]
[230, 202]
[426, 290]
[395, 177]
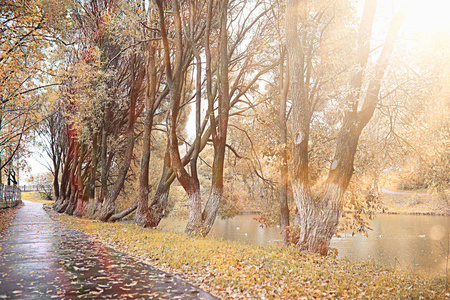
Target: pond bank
[414, 203]
[236, 270]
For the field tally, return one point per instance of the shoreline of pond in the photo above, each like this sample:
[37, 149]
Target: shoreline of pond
[230, 271]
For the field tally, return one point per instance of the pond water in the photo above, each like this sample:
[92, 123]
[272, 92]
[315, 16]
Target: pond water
[399, 241]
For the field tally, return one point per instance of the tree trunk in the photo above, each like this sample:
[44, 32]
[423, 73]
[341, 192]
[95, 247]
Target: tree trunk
[283, 198]
[137, 73]
[301, 108]
[124, 213]
[61, 202]
[104, 166]
[90, 186]
[157, 209]
[58, 206]
[319, 217]
[108, 207]
[175, 81]
[220, 136]
[81, 199]
[56, 167]
[142, 217]
[194, 221]
[74, 150]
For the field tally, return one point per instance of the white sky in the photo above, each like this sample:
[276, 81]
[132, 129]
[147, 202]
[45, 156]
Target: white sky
[36, 163]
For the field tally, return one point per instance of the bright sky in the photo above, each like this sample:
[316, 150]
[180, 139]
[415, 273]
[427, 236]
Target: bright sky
[422, 16]
[37, 163]
[425, 16]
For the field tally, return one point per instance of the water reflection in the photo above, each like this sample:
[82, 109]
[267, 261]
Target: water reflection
[406, 241]
[242, 228]
[399, 241]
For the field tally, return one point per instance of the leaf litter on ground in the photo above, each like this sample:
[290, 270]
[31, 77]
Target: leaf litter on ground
[230, 269]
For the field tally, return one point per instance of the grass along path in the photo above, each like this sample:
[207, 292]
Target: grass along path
[236, 270]
[35, 196]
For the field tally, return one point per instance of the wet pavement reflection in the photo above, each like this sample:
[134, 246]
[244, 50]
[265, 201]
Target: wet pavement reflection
[43, 259]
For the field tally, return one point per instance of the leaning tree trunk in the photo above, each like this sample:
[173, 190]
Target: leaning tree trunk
[108, 209]
[319, 218]
[109, 205]
[175, 80]
[220, 135]
[157, 209]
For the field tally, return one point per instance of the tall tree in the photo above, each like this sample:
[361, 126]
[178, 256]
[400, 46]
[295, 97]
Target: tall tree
[28, 28]
[319, 215]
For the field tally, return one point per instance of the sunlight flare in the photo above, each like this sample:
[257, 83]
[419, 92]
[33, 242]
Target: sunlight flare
[428, 16]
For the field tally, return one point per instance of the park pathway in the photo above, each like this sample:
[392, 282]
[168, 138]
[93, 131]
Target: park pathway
[42, 259]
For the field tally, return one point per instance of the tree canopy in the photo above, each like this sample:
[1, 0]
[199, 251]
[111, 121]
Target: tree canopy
[292, 109]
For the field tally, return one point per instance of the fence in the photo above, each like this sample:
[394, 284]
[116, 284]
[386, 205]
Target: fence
[9, 196]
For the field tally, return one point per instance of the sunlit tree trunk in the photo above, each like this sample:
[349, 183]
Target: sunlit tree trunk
[174, 73]
[319, 217]
[301, 110]
[284, 169]
[219, 136]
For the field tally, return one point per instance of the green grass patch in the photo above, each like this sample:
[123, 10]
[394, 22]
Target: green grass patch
[232, 269]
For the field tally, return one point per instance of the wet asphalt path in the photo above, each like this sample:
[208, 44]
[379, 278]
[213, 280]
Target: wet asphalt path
[42, 259]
